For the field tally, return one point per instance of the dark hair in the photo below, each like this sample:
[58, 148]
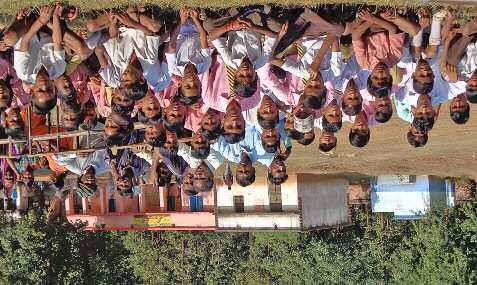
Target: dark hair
[293, 134]
[423, 125]
[122, 110]
[168, 152]
[351, 110]
[276, 180]
[232, 138]
[330, 127]
[315, 102]
[379, 91]
[212, 135]
[411, 139]
[326, 147]
[67, 98]
[115, 140]
[471, 95]
[460, 117]
[358, 140]
[145, 120]
[245, 181]
[163, 180]
[306, 141]
[207, 187]
[136, 91]
[200, 153]
[177, 127]
[7, 83]
[422, 88]
[158, 141]
[383, 117]
[14, 133]
[245, 90]
[188, 101]
[266, 124]
[43, 108]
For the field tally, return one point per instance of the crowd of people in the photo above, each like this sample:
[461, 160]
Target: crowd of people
[193, 89]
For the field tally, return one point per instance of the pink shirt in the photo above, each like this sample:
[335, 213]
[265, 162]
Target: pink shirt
[22, 97]
[103, 108]
[379, 47]
[79, 78]
[215, 89]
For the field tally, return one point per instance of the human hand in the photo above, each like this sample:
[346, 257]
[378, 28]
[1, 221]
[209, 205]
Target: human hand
[72, 13]
[183, 15]
[283, 154]
[365, 15]
[424, 18]
[238, 24]
[126, 20]
[282, 31]
[194, 15]
[58, 10]
[388, 16]
[46, 12]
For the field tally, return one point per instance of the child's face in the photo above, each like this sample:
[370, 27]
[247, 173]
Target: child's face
[327, 139]
[233, 120]
[70, 119]
[121, 100]
[360, 124]
[172, 142]
[245, 73]
[424, 109]
[64, 86]
[198, 141]
[314, 85]
[150, 106]
[130, 76]
[423, 72]
[152, 132]
[382, 105]
[111, 128]
[270, 136]
[333, 113]
[472, 83]
[351, 96]
[278, 168]
[89, 178]
[124, 183]
[14, 120]
[380, 74]
[43, 90]
[5, 96]
[89, 112]
[190, 83]
[8, 179]
[301, 111]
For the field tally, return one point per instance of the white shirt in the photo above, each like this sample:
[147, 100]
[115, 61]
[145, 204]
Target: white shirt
[78, 164]
[213, 161]
[40, 53]
[120, 50]
[330, 66]
[240, 44]
[468, 63]
[189, 51]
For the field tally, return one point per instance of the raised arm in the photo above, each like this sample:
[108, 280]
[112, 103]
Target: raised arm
[45, 15]
[233, 25]
[198, 24]
[368, 17]
[113, 26]
[315, 65]
[172, 45]
[56, 35]
[130, 23]
[404, 24]
[359, 30]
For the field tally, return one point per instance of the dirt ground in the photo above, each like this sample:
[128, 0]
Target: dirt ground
[450, 151]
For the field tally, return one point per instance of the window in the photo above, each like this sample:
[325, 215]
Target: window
[238, 204]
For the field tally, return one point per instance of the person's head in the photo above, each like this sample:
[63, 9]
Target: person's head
[171, 145]
[133, 82]
[120, 103]
[65, 88]
[14, 124]
[314, 93]
[267, 114]
[28, 175]
[164, 175]
[211, 124]
[380, 81]
[245, 172]
[459, 109]
[190, 86]
[124, 182]
[300, 117]
[6, 94]
[155, 135]
[383, 109]
[117, 128]
[332, 118]
[174, 116]
[277, 172]
[416, 138]
[71, 115]
[89, 177]
[43, 93]
[270, 140]
[423, 114]
[200, 146]
[89, 115]
[359, 133]
[188, 183]
[150, 111]
[471, 88]
[8, 178]
[307, 138]
[234, 124]
[203, 178]
[245, 84]
[327, 142]
[423, 77]
[352, 102]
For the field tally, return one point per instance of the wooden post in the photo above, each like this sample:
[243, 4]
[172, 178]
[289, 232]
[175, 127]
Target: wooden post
[58, 130]
[29, 128]
[49, 129]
